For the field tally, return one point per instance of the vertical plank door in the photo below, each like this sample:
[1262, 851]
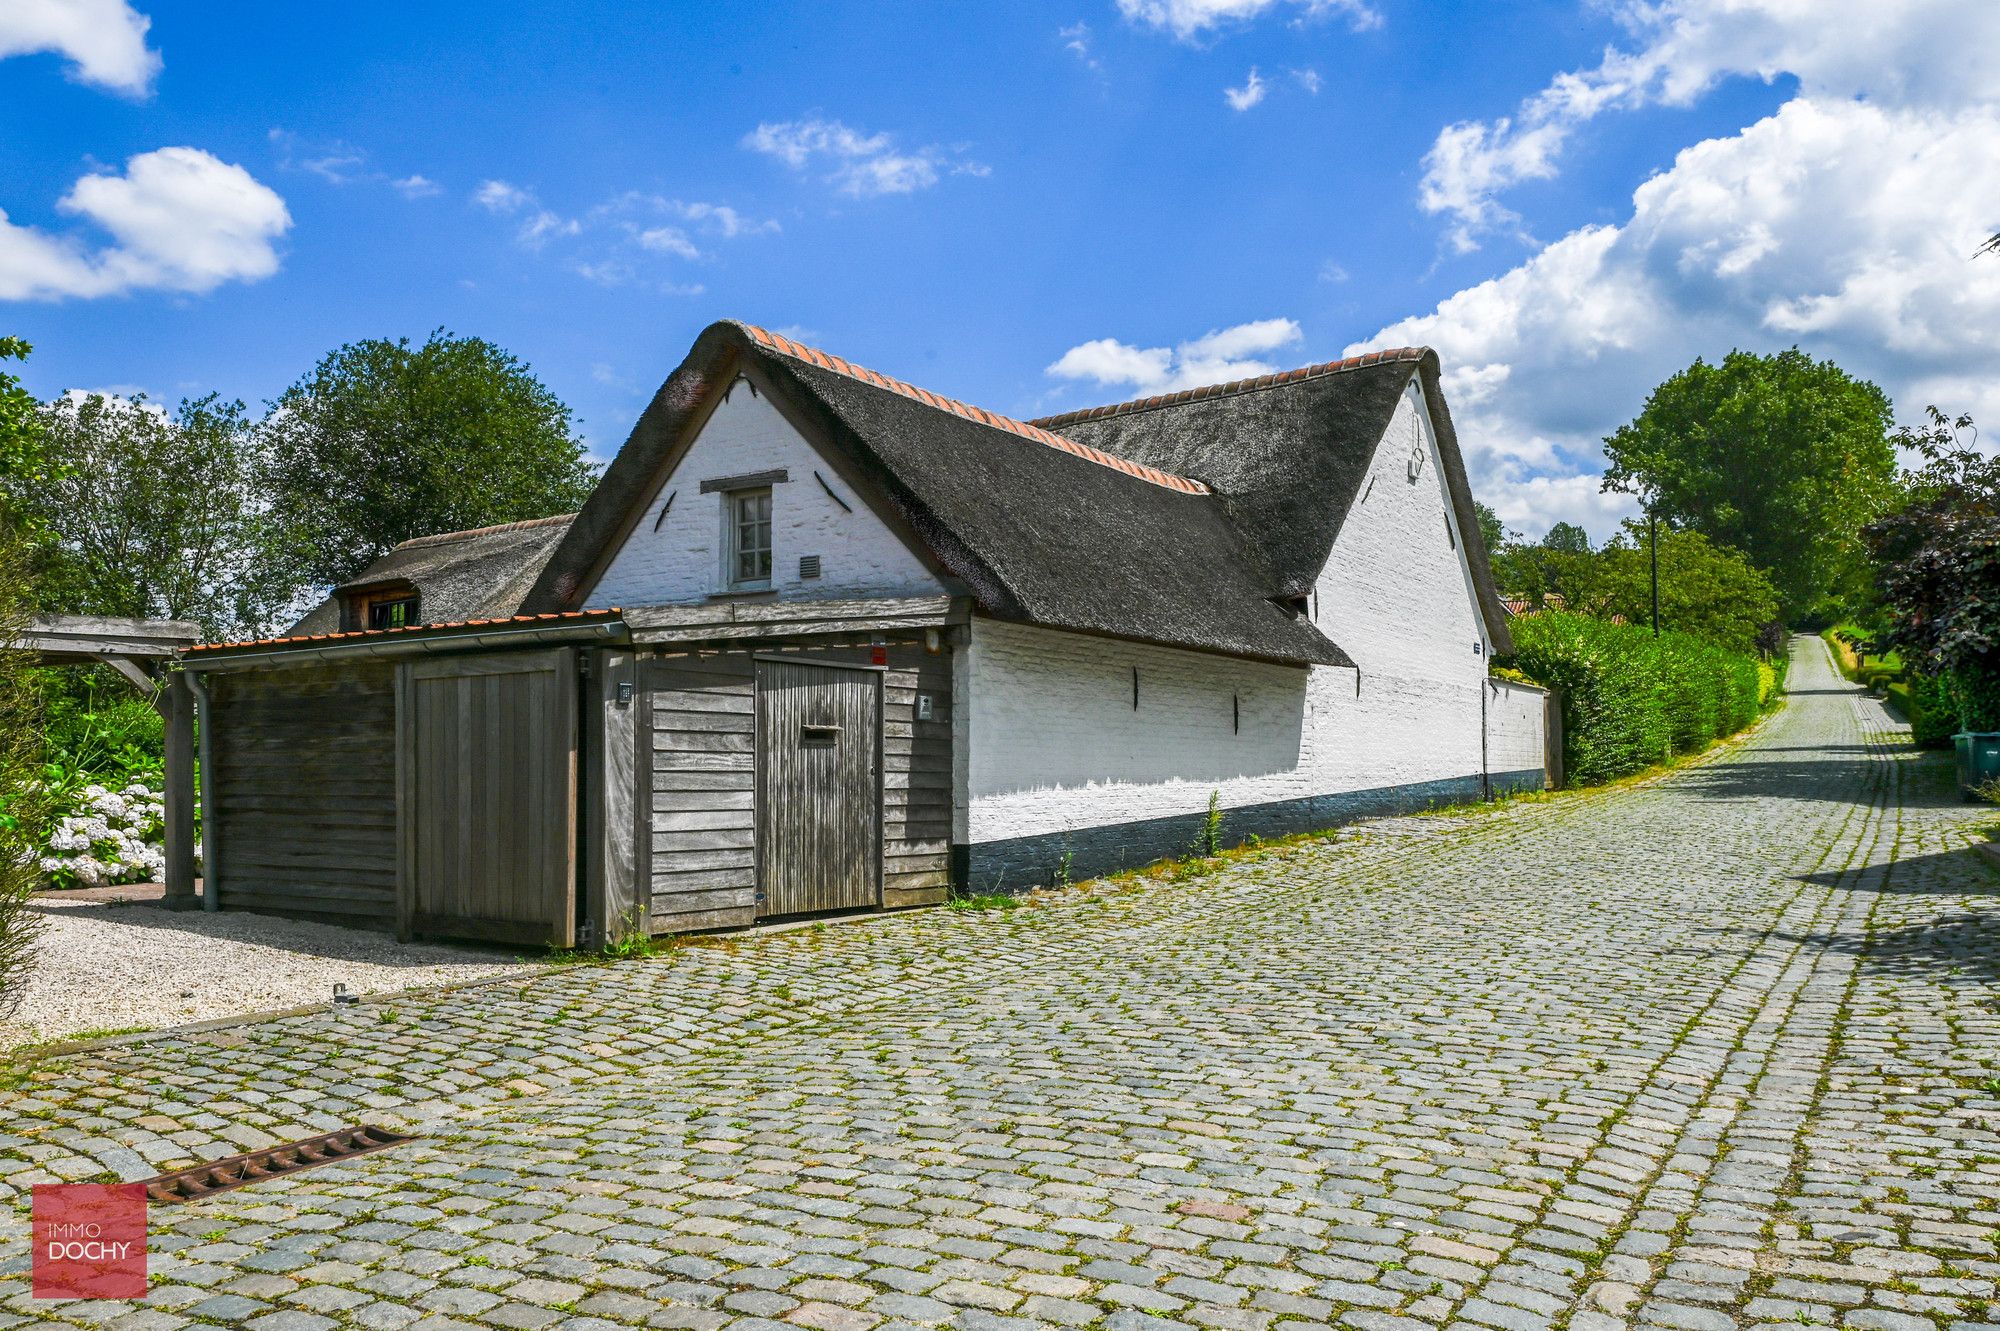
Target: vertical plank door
[489, 794]
[819, 735]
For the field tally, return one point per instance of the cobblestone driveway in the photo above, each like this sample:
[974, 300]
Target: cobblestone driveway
[1715, 1050]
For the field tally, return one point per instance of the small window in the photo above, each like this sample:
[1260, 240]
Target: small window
[392, 614]
[748, 518]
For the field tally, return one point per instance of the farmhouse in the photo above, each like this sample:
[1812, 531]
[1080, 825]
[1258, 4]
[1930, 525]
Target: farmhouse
[822, 640]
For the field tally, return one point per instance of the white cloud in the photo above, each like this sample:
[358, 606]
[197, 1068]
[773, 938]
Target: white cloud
[542, 226]
[864, 165]
[104, 40]
[1076, 40]
[497, 196]
[1307, 79]
[539, 225]
[1247, 96]
[1845, 226]
[622, 241]
[720, 219]
[667, 240]
[416, 187]
[1190, 19]
[1216, 357]
[179, 220]
[1935, 53]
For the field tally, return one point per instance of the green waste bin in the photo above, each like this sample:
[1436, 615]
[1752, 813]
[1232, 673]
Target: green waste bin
[1978, 759]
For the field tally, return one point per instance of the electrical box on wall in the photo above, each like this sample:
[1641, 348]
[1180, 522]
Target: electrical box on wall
[924, 707]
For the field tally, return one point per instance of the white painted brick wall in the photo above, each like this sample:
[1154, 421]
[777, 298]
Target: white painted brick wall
[1053, 743]
[682, 561]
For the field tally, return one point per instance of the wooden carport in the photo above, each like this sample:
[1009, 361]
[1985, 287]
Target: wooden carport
[142, 651]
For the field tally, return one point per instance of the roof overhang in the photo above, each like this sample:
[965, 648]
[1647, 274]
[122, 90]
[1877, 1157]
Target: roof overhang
[590, 627]
[741, 621]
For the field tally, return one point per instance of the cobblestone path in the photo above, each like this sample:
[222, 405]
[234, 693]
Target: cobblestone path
[1710, 1051]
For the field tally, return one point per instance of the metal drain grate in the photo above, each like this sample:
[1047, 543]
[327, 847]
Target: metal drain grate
[185, 1185]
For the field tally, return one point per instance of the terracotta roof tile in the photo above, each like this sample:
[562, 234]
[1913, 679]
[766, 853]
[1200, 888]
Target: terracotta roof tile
[353, 635]
[1236, 386]
[1153, 475]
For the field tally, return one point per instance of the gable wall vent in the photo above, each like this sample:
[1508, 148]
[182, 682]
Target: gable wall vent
[808, 567]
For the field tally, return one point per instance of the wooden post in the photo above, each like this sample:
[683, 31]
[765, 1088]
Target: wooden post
[612, 752]
[179, 711]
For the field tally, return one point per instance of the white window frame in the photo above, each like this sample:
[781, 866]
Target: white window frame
[733, 548]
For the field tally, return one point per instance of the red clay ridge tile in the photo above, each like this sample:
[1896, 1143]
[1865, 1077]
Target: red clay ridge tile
[1362, 361]
[1026, 430]
[351, 635]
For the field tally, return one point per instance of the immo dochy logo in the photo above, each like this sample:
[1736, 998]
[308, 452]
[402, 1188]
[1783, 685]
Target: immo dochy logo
[90, 1241]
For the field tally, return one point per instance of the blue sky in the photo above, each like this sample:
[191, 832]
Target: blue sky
[1029, 206]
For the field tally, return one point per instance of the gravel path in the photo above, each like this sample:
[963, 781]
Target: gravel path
[118, 967]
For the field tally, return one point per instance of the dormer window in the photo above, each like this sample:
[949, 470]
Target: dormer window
[391, 607]
[397, 614]
[747, 521]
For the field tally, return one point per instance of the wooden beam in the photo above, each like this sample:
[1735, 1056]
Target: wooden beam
[139, 678]
[96, 635]
[178, 698]
[737, 620]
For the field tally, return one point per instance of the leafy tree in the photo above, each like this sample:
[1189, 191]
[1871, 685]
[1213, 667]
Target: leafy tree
[22, 462]
[1781, 457]
[1492, 532]
[383, 441]
[1706, 590]
[22, 807]
[1537, 570]
[152, 515]
[1938, 558]
[1568, 538]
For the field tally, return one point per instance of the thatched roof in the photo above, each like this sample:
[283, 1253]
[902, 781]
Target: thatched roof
[1037, 527]
[484, 573]
[1286, 454]
[1191, 519]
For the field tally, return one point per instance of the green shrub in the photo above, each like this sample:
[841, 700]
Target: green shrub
[1974, 697]
[96, 726]
[1925, 704]
[1630, 699]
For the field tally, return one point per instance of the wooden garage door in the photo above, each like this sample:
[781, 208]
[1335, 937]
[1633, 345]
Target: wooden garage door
[819, 784]
[489, 777]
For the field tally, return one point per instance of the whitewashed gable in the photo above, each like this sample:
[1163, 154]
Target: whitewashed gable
[678, 558]
[1397, 592]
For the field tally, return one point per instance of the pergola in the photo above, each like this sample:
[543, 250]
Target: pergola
[142, 650]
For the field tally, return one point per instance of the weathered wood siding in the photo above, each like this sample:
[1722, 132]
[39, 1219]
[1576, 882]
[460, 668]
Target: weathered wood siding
[699, 730]
[303, 792]
[489, 797]
[916, 778]
[699, 738]
[819, 787]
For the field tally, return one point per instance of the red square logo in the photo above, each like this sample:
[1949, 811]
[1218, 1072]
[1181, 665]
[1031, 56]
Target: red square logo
[90, 1241]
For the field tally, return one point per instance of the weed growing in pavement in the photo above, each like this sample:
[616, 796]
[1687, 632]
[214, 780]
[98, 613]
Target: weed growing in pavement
[985, 901]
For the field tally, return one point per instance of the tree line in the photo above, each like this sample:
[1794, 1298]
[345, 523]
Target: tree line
[1774, 487]
[238, 520]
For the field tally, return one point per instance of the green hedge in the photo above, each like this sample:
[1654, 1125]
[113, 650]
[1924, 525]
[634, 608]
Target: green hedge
[1631, 700]
[1925, 702]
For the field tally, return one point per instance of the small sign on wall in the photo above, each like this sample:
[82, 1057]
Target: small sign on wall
[924, 707]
